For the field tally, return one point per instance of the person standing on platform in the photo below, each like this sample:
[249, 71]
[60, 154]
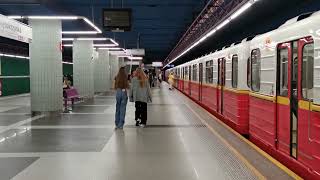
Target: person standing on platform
[121, 85]
[160, 79]
[140, 93]
[171, 80]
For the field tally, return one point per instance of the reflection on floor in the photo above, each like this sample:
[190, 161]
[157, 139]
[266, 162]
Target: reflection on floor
[83, 145]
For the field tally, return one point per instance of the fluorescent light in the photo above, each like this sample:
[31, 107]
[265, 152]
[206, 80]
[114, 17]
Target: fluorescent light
[135, 58]
[210, 33]
[91, 39]
[111, 48]
[21, 57]
[105, 45]
[67, 39]
[54, 17]
[64, 18]
[92, 25]
[113, 41]
[64, 62]
[26, 57]
[67, 45]
[131, 57]
[9, 55]
[79, 32]
[84, 39]
[95, 45]
[223, 24]
[14, 17]
[241, 10]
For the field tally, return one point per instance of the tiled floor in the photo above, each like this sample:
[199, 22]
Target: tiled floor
[83, 145]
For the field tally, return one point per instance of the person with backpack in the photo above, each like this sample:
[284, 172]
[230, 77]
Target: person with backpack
[140, 93]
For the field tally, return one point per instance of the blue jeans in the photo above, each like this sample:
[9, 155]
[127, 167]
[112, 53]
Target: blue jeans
[122, 99]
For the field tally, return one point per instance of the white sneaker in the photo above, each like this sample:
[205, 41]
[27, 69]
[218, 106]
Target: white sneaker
[142, 125]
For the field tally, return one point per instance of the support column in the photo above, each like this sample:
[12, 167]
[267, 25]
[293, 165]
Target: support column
[102, 81]
[121, 62]
[46, 66]
[83, 68]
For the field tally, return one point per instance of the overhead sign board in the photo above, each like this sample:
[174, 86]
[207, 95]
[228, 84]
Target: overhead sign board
[136, 52]
[133, 63]
[15, 30]
[117, 19]
[157, 64]
[119, 53]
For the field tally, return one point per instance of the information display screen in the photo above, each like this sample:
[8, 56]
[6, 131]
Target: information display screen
[117, 19]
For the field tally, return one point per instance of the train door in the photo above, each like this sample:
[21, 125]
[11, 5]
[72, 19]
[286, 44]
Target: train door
[200, 80]
[291, 88]
[221, 83]
[189, 82]
[183, 78]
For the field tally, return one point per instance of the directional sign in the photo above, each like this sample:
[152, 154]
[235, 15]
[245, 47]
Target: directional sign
[15, 30]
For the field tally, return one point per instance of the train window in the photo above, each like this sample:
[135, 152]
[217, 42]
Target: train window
[235, 71]
[190, 70]
[194, 72]
[255, 70]
[249, 72]
[209, 72]
[307, 71]
[187, 73]
[283, 55]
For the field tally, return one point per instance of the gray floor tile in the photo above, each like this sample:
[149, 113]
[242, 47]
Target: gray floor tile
[10, 167]
[56, 140]
[76, 119]
[6, 120]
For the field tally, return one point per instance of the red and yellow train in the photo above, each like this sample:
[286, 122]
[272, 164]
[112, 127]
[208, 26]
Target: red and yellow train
[267, 88]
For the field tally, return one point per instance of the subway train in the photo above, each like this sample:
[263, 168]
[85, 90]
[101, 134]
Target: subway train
[267, 88]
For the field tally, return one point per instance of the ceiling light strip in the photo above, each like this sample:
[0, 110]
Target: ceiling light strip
[95, 45]
[98, 31]
[92, 25]
[80, 32]
[25, 57]
[236, 14]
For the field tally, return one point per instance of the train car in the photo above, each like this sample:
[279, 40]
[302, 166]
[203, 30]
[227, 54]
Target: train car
[284, 102]
[217, 83]
[268, 88]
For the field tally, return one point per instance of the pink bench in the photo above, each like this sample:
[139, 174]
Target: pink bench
[71, 95]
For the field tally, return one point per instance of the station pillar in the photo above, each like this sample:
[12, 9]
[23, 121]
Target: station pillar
[46, 66]
[121, 62]
[102, 81]
[83, 58]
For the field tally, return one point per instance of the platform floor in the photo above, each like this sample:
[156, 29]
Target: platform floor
[181, 142]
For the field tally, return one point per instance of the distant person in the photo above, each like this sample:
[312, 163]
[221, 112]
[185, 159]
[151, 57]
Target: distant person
[66, 85]
[66, 82]
[140, 93]
[121, 85]
[160, 78]
[171, 80]
[150, 79]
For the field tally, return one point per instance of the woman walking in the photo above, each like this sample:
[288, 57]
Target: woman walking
[140, 94]
[121, 85]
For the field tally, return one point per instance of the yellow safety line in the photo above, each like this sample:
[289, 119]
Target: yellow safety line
[231, 148]
[250, 166]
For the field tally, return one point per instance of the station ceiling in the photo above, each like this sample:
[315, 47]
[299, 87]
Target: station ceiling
[157, 24]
